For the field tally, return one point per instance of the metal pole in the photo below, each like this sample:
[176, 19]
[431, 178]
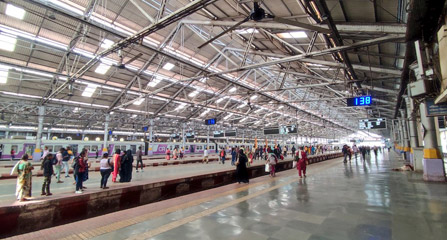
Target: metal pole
[106, 134]
[406, 141]
[433, 164]
[151, 125]
[183, 136]
[38, 150]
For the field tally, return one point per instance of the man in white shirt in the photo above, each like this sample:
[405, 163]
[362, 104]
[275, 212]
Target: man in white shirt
[205, 155]
[58, 165]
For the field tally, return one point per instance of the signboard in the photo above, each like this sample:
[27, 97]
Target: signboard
[359, 101]
[230, 134]
[270, 131]
[373, 123]
[434, 110]
[218, 134]
[174, 135]
[145, 128]
[110, 132]
[189, 135]
[211, 121]
[288, 129]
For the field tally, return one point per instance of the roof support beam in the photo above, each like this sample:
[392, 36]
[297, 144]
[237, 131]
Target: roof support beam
[343, 28]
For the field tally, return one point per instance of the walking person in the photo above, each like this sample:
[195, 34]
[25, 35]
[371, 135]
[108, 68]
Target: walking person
[345, 151]
[222, 155]
[272, 160]
[168, 154]
[105, 169]
[140, 159]
[175, 153]
[126, 167]
[363, 150]
[58, 165]
[13, 154]
[79, 170]
[241, 168]
[116, 164]
[375, 151]
[293, 150]
[45, 153]
[355, 149]
[205, 155]
[233, 156]
[65, 159]
[302, 162]
[47, 167]
[24, 178]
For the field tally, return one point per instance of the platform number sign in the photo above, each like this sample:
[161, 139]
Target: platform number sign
[359, 101]
[211, 121]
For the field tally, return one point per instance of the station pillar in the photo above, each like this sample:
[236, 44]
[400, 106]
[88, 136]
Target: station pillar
[412, 125]
[406, 140]
[38, 150]
[106, 135]
[183, 136]
[208, 138]
[151, 136]
[433, 165]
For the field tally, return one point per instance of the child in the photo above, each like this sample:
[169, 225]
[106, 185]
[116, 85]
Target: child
[47, 167]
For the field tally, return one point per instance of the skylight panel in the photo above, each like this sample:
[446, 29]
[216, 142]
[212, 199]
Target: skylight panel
[181, 106]
[154, 82]
[193, 94]
[247, 31]
[168, 66]
[233, 89]
[204, 113]
[14, 11]
[102, 68]
[4, 74]
[138, 102]
[7, 43]
[106, 43]
[254, 97]
[296, 34]
[228, 116]
[89, 90]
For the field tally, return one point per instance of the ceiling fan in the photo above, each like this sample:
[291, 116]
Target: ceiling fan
[257, 14]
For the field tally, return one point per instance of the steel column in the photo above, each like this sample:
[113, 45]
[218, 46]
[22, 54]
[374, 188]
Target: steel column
[38, 150]
[106, 134]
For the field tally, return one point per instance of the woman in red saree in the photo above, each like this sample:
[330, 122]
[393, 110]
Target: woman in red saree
[116, 164]
[301, 165]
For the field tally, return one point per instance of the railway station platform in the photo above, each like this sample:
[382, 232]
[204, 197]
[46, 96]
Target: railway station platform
[356, 200]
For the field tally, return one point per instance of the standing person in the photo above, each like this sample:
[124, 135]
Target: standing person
[13, 154]
[1, 150]
[222, 155]
[116, 164]
[97, 154]
[355, 149]
[140, 158]
[47, 167]
[79, 170]
[45, 153]
[168, 154]
[24, 178]
[233, 156]
[175, 153]
[302, 162]
[65, 159]
[181, 153]
[58, 165]
[344, 150]
[105, 168]
[272, 160]
[126, 167]
[241, 168]
[363, 149]
[375, 151]
[293, 150]
[123, 168]
[205, 155]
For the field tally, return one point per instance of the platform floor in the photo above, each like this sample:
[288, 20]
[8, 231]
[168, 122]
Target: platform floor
[357, 200]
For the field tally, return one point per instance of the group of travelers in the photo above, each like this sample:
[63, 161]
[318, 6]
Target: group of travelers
[363, 150]
[52, 165]
[176, 153]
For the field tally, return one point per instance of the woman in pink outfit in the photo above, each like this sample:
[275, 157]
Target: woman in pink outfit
[301, 165]
[116, 164]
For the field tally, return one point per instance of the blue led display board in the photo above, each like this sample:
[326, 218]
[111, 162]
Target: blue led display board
[359, 101]
[211, 121]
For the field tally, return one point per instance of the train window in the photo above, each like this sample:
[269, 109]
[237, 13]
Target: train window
[186, 147]
[15, 147]
[117, 147]
[87, 147]
[57, 148]
[123, 148]
[94, 148]
[50, 148]
[133, 148]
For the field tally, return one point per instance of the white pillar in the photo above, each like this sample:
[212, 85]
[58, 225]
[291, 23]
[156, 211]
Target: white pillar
[37, 151]
[151, 125]
[183, 136]
[432, 162]
[208, 138]
[106, 135]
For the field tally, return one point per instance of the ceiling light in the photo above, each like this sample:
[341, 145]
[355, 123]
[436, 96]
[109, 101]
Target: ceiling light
[181, 106]
[203, 80]
[154, 82]
[134, 116]
[139, 101]
[254, 97]
[220, 100]
[233, 89]
[106, 43]
[102, 68]
[228, 116]
[89, 90]
[14, 11]
[204, 113]
[168, 66]
[4, 74]
[193, 94]
[8, 43]
[296, 34]
[280, 107]
[258, 110]
[242, 105]
[247, 31]
[243, 119]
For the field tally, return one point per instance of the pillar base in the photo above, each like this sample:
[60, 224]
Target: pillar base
[434, 170]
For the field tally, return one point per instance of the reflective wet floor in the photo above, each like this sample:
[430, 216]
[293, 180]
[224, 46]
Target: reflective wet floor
[356, 200]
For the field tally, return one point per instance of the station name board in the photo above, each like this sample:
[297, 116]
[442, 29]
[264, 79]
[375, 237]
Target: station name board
[373, 123]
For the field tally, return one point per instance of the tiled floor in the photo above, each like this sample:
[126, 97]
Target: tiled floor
[357, 200]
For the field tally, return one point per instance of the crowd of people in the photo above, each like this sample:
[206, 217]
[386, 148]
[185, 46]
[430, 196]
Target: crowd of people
[362, 150]
[120, 164]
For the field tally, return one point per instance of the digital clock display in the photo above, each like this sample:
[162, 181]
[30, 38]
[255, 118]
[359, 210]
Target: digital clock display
[359, 101]
[211, 121]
